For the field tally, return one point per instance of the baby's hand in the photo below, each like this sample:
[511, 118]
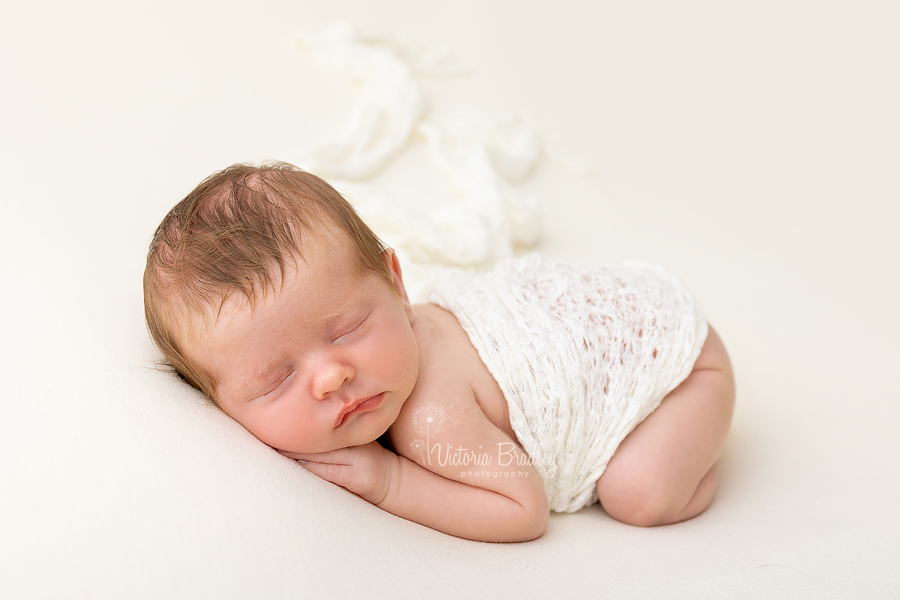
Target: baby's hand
[364, 470]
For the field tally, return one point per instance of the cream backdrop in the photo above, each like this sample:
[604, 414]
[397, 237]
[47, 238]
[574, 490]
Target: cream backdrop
[750, 147]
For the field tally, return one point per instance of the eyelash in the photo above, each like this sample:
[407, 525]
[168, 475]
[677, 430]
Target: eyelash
[277, 387]
[354, 328]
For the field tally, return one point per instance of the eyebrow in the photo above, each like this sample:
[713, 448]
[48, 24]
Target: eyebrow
[346, 305]
[332, 315]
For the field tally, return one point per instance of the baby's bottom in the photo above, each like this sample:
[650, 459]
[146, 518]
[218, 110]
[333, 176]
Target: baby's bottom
[665, 470]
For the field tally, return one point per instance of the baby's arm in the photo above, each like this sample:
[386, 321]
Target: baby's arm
[503, 501]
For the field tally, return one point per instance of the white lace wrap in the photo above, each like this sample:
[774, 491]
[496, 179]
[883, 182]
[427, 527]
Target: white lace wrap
[583, 354]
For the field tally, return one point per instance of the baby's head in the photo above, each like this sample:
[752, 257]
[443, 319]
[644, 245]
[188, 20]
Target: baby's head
[264, 280]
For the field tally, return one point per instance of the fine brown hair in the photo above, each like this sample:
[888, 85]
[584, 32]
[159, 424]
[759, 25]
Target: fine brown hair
[234, 233]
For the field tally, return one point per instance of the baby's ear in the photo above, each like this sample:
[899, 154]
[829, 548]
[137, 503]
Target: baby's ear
[393, 265]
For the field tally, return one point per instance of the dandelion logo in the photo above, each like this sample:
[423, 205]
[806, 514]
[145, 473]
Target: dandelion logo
[428, 420]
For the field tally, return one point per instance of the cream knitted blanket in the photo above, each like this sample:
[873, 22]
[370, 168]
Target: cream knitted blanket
[583, 354]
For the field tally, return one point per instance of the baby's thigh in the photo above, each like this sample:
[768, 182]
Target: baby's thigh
[660, 465]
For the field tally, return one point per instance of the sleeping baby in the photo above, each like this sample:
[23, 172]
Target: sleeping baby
[543, 385]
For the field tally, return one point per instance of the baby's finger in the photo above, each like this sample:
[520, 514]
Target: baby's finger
[336, 474]
[292, 455]
[340, 456]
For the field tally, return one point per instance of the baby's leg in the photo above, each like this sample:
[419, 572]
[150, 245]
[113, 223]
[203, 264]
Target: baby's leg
[665, 470]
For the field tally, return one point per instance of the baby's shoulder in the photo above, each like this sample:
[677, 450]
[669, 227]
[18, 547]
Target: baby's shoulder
[454, 390]
[445, 372]
[441, 404]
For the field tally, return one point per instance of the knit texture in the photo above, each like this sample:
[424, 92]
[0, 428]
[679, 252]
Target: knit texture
[582, 352]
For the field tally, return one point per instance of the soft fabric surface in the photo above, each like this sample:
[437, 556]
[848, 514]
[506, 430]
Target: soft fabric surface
[583, 353]
[750, 149]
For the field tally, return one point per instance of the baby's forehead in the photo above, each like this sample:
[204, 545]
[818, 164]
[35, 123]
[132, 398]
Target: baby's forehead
[232, 306]
[205, 332]
[330, 252]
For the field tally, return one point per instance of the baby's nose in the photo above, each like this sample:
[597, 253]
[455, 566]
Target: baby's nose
[330, 376]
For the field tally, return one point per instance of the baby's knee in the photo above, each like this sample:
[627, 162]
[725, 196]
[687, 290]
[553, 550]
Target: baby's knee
[645, 503]
[640, 507]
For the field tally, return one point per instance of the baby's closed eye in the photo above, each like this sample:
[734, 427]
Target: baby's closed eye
[355, 327]
[280, 385]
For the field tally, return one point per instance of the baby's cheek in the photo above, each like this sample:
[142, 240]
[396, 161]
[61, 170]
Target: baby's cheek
[279, 429]
[404, 360]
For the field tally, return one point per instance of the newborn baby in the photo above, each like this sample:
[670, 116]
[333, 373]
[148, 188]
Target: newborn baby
[543, 386]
